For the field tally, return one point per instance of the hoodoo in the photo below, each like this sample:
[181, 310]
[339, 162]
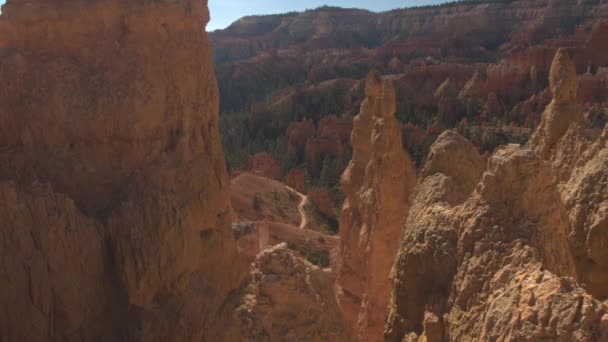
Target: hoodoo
[377, 183]
[563, 111]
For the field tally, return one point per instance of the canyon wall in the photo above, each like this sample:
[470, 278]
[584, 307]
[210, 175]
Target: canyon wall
[114, 193]
[285, 298]
[277, 71]
[262, 52]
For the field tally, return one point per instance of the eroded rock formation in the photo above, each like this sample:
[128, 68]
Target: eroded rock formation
[115, 205]
[511, 251]
[377, 183]
[563, 112]
[285, 299]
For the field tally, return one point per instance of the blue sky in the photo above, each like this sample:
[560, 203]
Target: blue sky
[224, 12]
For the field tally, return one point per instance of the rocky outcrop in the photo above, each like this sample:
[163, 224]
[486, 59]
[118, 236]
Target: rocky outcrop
[56, 282]
[580, 163]
[513, 253]
[425, 262]
[375, 209]
[513, 270]
[563, 112]
[285, 298]
[115, 205]
[586, 197]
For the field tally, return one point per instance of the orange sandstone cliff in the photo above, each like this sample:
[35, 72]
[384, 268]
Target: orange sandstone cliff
[114, 200]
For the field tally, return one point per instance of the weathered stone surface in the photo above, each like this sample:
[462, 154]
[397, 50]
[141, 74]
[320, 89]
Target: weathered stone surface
[114, 181]
[513, 269]
[520, 255]
[378, 183]
[455, 157]
[425, 261]
[284, 299]
[586, 197]
[54, 268]
[563, 111]
[580, 163]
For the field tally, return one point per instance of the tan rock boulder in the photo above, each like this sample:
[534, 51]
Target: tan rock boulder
[526, 239]
[285, 299]
[514, 244]
[455, 157]
[53, 268]
[353, 177]
[348, 261]
[425, 261]
[378, 183]
[513, 270]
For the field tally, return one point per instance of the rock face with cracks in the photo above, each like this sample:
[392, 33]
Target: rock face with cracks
[114, 194]
[581, 162]
[514, 250]
[285, 299]
[377, 183]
